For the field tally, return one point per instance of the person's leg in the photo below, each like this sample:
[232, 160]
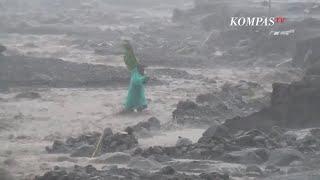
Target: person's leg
[127, 110]
[139, 109]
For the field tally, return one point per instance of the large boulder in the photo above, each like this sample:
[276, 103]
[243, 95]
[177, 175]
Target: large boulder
[296, 105]
[284, 156]
[293, 105]
[247, 156]
[144, 164]
[217, 130]
[307, 175]
[83, 151]
[114, 173]
[113, 158]
[85, 144]
[261, 120]
[254, 171]
[307, 52]
[189, 112]
[73, 144]
[240, 99]
[118, 142]
[215, 176]
[145, 128]
[183, 142]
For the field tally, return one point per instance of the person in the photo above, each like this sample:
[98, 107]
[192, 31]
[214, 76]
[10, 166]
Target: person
[136, 94]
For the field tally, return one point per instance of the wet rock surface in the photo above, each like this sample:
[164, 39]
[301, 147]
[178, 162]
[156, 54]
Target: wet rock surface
[292, 106]
[242, 139]
[283, 157]
[233, 100]
[183, 142]
[89, 172]
[30, 71]
[85, 145]
[113, 158]
[28, 95]
[33, 71]
[145, 128]
[307, 53]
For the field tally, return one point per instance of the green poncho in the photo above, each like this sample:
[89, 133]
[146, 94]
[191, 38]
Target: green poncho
[136, 98]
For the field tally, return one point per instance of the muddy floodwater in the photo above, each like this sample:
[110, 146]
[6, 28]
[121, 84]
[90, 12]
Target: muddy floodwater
[63, 81]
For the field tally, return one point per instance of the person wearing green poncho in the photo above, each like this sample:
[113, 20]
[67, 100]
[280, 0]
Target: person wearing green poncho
[136, 95]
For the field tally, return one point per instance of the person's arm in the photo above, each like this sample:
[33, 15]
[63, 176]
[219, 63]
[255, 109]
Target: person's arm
[145, 79]
[139, 79]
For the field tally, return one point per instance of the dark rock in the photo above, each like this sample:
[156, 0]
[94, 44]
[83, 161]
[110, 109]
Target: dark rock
[118, 142]
[295, 105]
[10, 162]
[58, 147]
[245, 140]
[83, 151]
[144, 128]
[28, 95]
[252, 138]
[66, 159]
[247, 156]
[168, 170]
[183, 142]
[107, 132]
[91, 173]
[129, 130]
[213, 147]
[154, 124]
[188, 112]
[260, 120]
[214, 176]
[308, 144]
[88, 138]
[217, 130]
[114, 158]
[307, 52]
[254, 171]
[110, 143]
[54, 175]
[161, 158]
[144, 164]
[270, 169]
[306, 175]
[233, 100]
[289, 138]
[284, 156]
[186, 105]
[259, 140]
